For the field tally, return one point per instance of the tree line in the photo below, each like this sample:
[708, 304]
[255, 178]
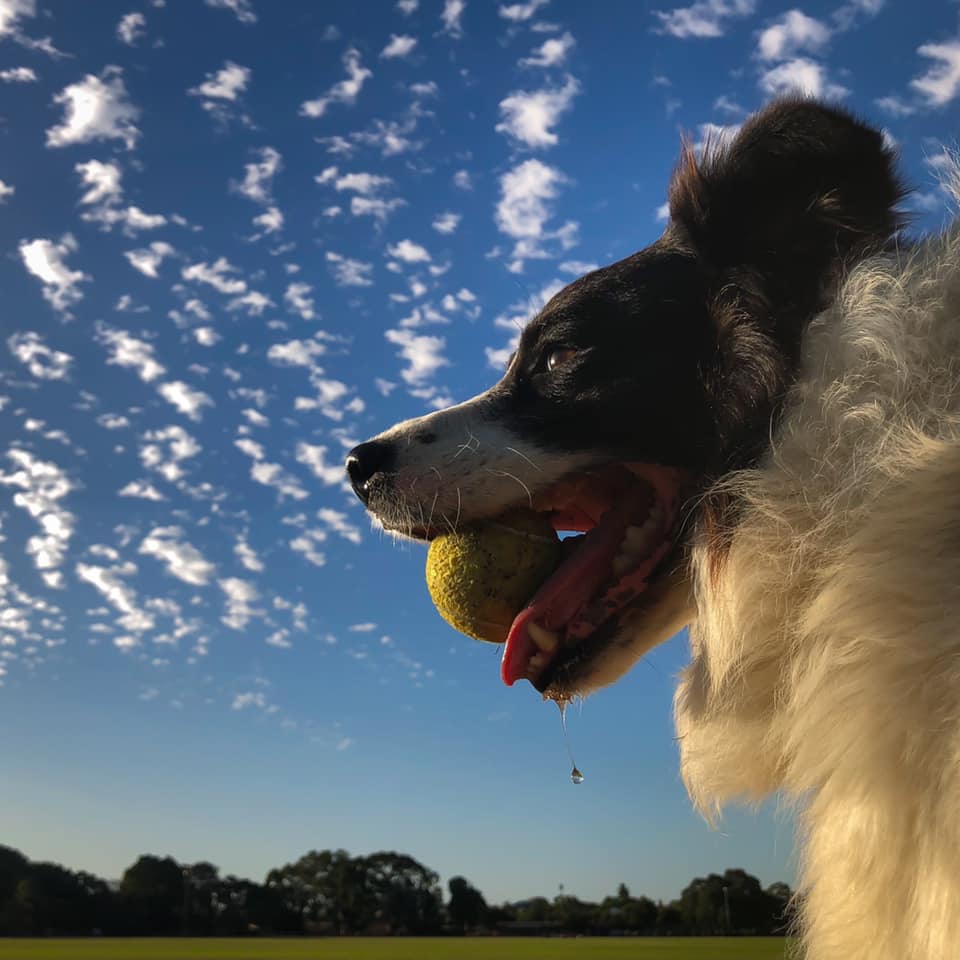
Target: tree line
[331, 892]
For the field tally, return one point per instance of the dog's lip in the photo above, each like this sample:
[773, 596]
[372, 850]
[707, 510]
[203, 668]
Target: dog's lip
[570, 671]
[586, 592]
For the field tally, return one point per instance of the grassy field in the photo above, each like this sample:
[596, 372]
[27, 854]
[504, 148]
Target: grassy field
[372, 948]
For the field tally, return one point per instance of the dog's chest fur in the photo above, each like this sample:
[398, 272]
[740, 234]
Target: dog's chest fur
[826, 653]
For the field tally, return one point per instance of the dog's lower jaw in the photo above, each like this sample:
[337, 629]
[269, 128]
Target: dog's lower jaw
[665, 609]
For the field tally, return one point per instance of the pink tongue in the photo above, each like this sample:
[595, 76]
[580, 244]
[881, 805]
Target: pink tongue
[566, 591]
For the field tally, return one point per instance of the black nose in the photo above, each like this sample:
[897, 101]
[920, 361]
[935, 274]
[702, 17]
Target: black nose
[372, 457]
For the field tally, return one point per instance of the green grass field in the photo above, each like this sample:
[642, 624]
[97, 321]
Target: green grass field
[372, 948]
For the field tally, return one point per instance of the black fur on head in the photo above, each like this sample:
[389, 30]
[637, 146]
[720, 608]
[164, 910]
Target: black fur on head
[774, 219]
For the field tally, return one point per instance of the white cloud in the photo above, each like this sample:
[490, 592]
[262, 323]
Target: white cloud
[423, 354]
[314, 457]
[427, 89]
[254, 303]
[529, 116]
[251, 699]
[705, 18]
[520, 12]
[306, 544]
[187, 400]
[279, 639]
[217, 276]
[348, 272]
[273, 475]
[801, 75]
[390, 137]
[346, 91]
[523, 211]
[463, 180]
[131, 28]
[257, 182]
[662, 214]
[247, 556]
[166, 449]
[399, 46]
[375, 207]
[296, 353]
[102, 179]
[242, 8]
[367, 627]
[108, 582]
[148, 260]
[365, 184]
[129, 351]
[18, 75]
[226, 84]
[895, 106]
[104, 196]
[446, 222]
[271, 220]
[95, 108]
[406, 7]
[298, 300]
[13, 10]
[409, 252]
[42, 362]
[551, 53]
[182, 559]
[941, 83]
[206, 336]
[141, 490]
[339, 524]
[725, 105]
[240, 594]
[792, 33]
[45, 259]
[578, 267]
[42, 485]
[452, 15]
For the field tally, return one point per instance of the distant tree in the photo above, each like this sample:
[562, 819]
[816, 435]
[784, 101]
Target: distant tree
[201, 898]
[52, 900]
[406, 894]
[574, 915]
[467, 909]
[537, 909]
[670, 919]
[152, 893]
[14, 866]
[325, 886]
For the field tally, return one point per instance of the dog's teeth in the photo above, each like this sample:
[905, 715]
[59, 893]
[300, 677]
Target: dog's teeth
[544, 639]
[537, 662]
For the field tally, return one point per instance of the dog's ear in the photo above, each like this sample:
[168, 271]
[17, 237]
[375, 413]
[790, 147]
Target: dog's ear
[802, 190]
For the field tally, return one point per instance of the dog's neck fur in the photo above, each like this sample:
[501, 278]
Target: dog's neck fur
[826, 654]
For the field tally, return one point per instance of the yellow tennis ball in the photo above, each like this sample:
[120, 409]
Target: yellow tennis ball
[480, 578]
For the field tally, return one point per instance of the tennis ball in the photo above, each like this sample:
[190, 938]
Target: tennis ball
[481, 577]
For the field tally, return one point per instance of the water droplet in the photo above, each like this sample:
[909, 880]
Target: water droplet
[575, 775]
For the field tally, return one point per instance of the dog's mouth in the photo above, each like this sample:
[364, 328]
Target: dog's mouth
[625, 520]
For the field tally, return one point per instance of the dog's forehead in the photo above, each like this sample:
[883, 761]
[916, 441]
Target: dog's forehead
[662, 273]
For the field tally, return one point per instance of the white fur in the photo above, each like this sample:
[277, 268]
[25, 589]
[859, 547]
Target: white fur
[826, 652]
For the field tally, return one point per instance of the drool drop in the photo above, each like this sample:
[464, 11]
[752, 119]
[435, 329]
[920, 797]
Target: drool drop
[575, 775]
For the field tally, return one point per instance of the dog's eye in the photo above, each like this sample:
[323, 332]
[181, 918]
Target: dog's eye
[558, 356]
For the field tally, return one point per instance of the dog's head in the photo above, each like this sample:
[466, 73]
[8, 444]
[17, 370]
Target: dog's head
[640, 384]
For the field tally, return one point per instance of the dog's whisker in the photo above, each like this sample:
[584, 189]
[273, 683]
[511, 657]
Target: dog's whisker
[523, 456]
[503, 473]
[456, 522]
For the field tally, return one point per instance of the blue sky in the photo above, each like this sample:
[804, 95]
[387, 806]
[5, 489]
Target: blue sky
[236, 238]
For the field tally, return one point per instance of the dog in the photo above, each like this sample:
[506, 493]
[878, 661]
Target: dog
[753, 424]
